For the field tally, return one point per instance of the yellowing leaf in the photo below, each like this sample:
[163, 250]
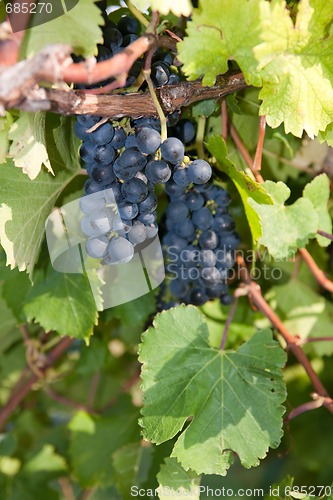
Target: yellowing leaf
[28, 148]
[296, 65]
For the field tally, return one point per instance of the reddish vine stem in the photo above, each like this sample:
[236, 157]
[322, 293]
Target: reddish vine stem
[66, 401]
[245, 154]
[260, 144]
[316, 271]
[315, 339]
[326, 235]
[228, 322]
[21, 390]
[317, 402]
[292, 342]
[224, 116]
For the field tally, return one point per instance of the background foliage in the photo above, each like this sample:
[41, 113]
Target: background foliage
[78, 419]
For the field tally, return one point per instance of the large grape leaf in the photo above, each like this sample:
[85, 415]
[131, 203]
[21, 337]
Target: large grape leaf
[69, 293]
[78, 27]
[296, 65]
[24, 207]
[173, 478]
[247, 187]
[214, 39]
[318, 192]
[28, 148]
[285, 228]
[233, 397]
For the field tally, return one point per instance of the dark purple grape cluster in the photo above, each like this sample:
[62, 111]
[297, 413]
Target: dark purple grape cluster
[200, 242]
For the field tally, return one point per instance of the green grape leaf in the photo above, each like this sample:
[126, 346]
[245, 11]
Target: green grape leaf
[9, 333]
[126, 464]
[46, 460]
[318, 192]
[177, 7]
[94, 440]
[78, 27]
[213, 39]
[69, 293]
[173, 478]
[296, 65]
[233, 397]
[28, 148]
[25, 206]
[248, 189]
[285, 228]
[304, 312]
[5, 125]
[327, 135]
[61, 142]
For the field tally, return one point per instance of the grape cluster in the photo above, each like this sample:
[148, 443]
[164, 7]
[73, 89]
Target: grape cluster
[200, 242]
[122, 176]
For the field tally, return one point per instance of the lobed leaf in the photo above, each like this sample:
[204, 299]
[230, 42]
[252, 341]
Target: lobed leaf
[233, 397]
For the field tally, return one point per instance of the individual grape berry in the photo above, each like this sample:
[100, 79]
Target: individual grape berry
[173, 150]
[180, 176]
[128, 210]
[131, 141]
[208, 258]
[198, 296]
[134, 190]
[138, 233]
[128, 39]
[185, 229]
[148, 205]
[208, 239]
[160, 73]
[199, 172]
[174, 190]
[97, 247]
[178, 288]
[223, 223]
[102, 174]
[114, 38]
[87, 121]
[152, 230]
[87, 151]
[194, 200]
[81, 131]
[90, 203]
[120, 250]
[158, 171]
[217, 290]
[162, 56]
[104, 153]
[129, 25]
[104, 53]
[177, 210]
[202, 218]
[148, 140]
[119, 138]
[229, 241]
[103, 134]
[173, 79]
[147, 219]
[226, 299]
[91, 187]
[185, 131]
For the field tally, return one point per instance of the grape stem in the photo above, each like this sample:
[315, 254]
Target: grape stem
[245, 154]
[258, 156]
[147, 73]
[136, 13]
